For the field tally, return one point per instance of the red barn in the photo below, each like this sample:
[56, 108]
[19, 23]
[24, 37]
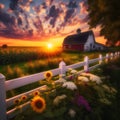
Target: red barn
[84, 41]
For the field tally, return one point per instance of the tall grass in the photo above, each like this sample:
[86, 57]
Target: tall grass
[16, 55]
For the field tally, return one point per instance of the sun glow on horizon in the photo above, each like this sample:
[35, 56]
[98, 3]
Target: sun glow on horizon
[50, 45]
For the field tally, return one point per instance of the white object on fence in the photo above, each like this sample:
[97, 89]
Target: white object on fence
[111, 56]
[107, 58]
[2, 98]
[100, 59]
[116, 55]
[86, 65]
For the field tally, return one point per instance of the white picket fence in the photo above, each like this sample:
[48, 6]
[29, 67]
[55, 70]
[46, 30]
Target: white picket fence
[22, 81]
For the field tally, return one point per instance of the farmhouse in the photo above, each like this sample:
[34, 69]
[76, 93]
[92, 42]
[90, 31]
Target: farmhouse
[82, 41]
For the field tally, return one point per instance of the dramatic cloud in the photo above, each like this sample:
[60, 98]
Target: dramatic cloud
[13, 4]
[32, 19]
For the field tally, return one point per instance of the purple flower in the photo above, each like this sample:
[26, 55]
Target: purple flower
[81, 101]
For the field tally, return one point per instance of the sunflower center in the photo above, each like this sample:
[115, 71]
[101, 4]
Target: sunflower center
[48, 75]
[38, 104]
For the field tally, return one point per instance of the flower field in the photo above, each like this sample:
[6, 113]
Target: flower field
[85, 96]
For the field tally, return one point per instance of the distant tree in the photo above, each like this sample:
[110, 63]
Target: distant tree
[105, 13]
[4, 46]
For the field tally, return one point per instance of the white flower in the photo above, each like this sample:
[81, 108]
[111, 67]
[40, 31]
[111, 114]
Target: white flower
[106, 87]
[71, 113]
[92, 77]
[109, 89]
[73, 71]
[85, 74]
[62, 80]
[82, 78]
[58, 99]
[62, 96]
[113, 90]
[69, 85]
[95, 78]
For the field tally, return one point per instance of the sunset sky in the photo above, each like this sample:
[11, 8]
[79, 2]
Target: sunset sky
[38, 22]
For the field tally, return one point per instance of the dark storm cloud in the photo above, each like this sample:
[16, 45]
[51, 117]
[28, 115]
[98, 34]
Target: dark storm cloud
[38, 24]
[69, 14]
[13, 4]
[38, 17]
[19, 21]
[30, 32]
[72, 4]
[44, 5]
[6, 19]
[53, 14]
[10, 34]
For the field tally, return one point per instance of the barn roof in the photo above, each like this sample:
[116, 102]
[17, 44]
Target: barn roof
[80, 38]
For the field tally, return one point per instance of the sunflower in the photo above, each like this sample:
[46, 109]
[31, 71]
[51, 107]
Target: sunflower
[48, 74]
[23, 98]
[17, 101]
[38, 104]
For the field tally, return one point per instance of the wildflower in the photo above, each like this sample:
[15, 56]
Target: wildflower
[95, 78]
[38, 104]
[113, 90]
[82, 78]
[62, 80]
[85, 74]
[92, 77]
[105, 101]
[82, 102]
[73, 71]
[71, 113]
[106, 87]
[58, 99]
[69, 85]
[48, 75]
[23, 98]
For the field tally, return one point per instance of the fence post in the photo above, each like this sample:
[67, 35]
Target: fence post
[86, 65]
[107, 58]
[62, 66]
[2, 98]
[100, 59]
[114, 55]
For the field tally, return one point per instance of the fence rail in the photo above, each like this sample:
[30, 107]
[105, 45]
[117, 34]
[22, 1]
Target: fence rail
[22, 81]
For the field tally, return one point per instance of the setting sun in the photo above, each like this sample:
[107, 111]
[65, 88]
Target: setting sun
[49, 45]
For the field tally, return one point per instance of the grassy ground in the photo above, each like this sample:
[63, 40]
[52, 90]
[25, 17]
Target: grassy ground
[22, 68]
